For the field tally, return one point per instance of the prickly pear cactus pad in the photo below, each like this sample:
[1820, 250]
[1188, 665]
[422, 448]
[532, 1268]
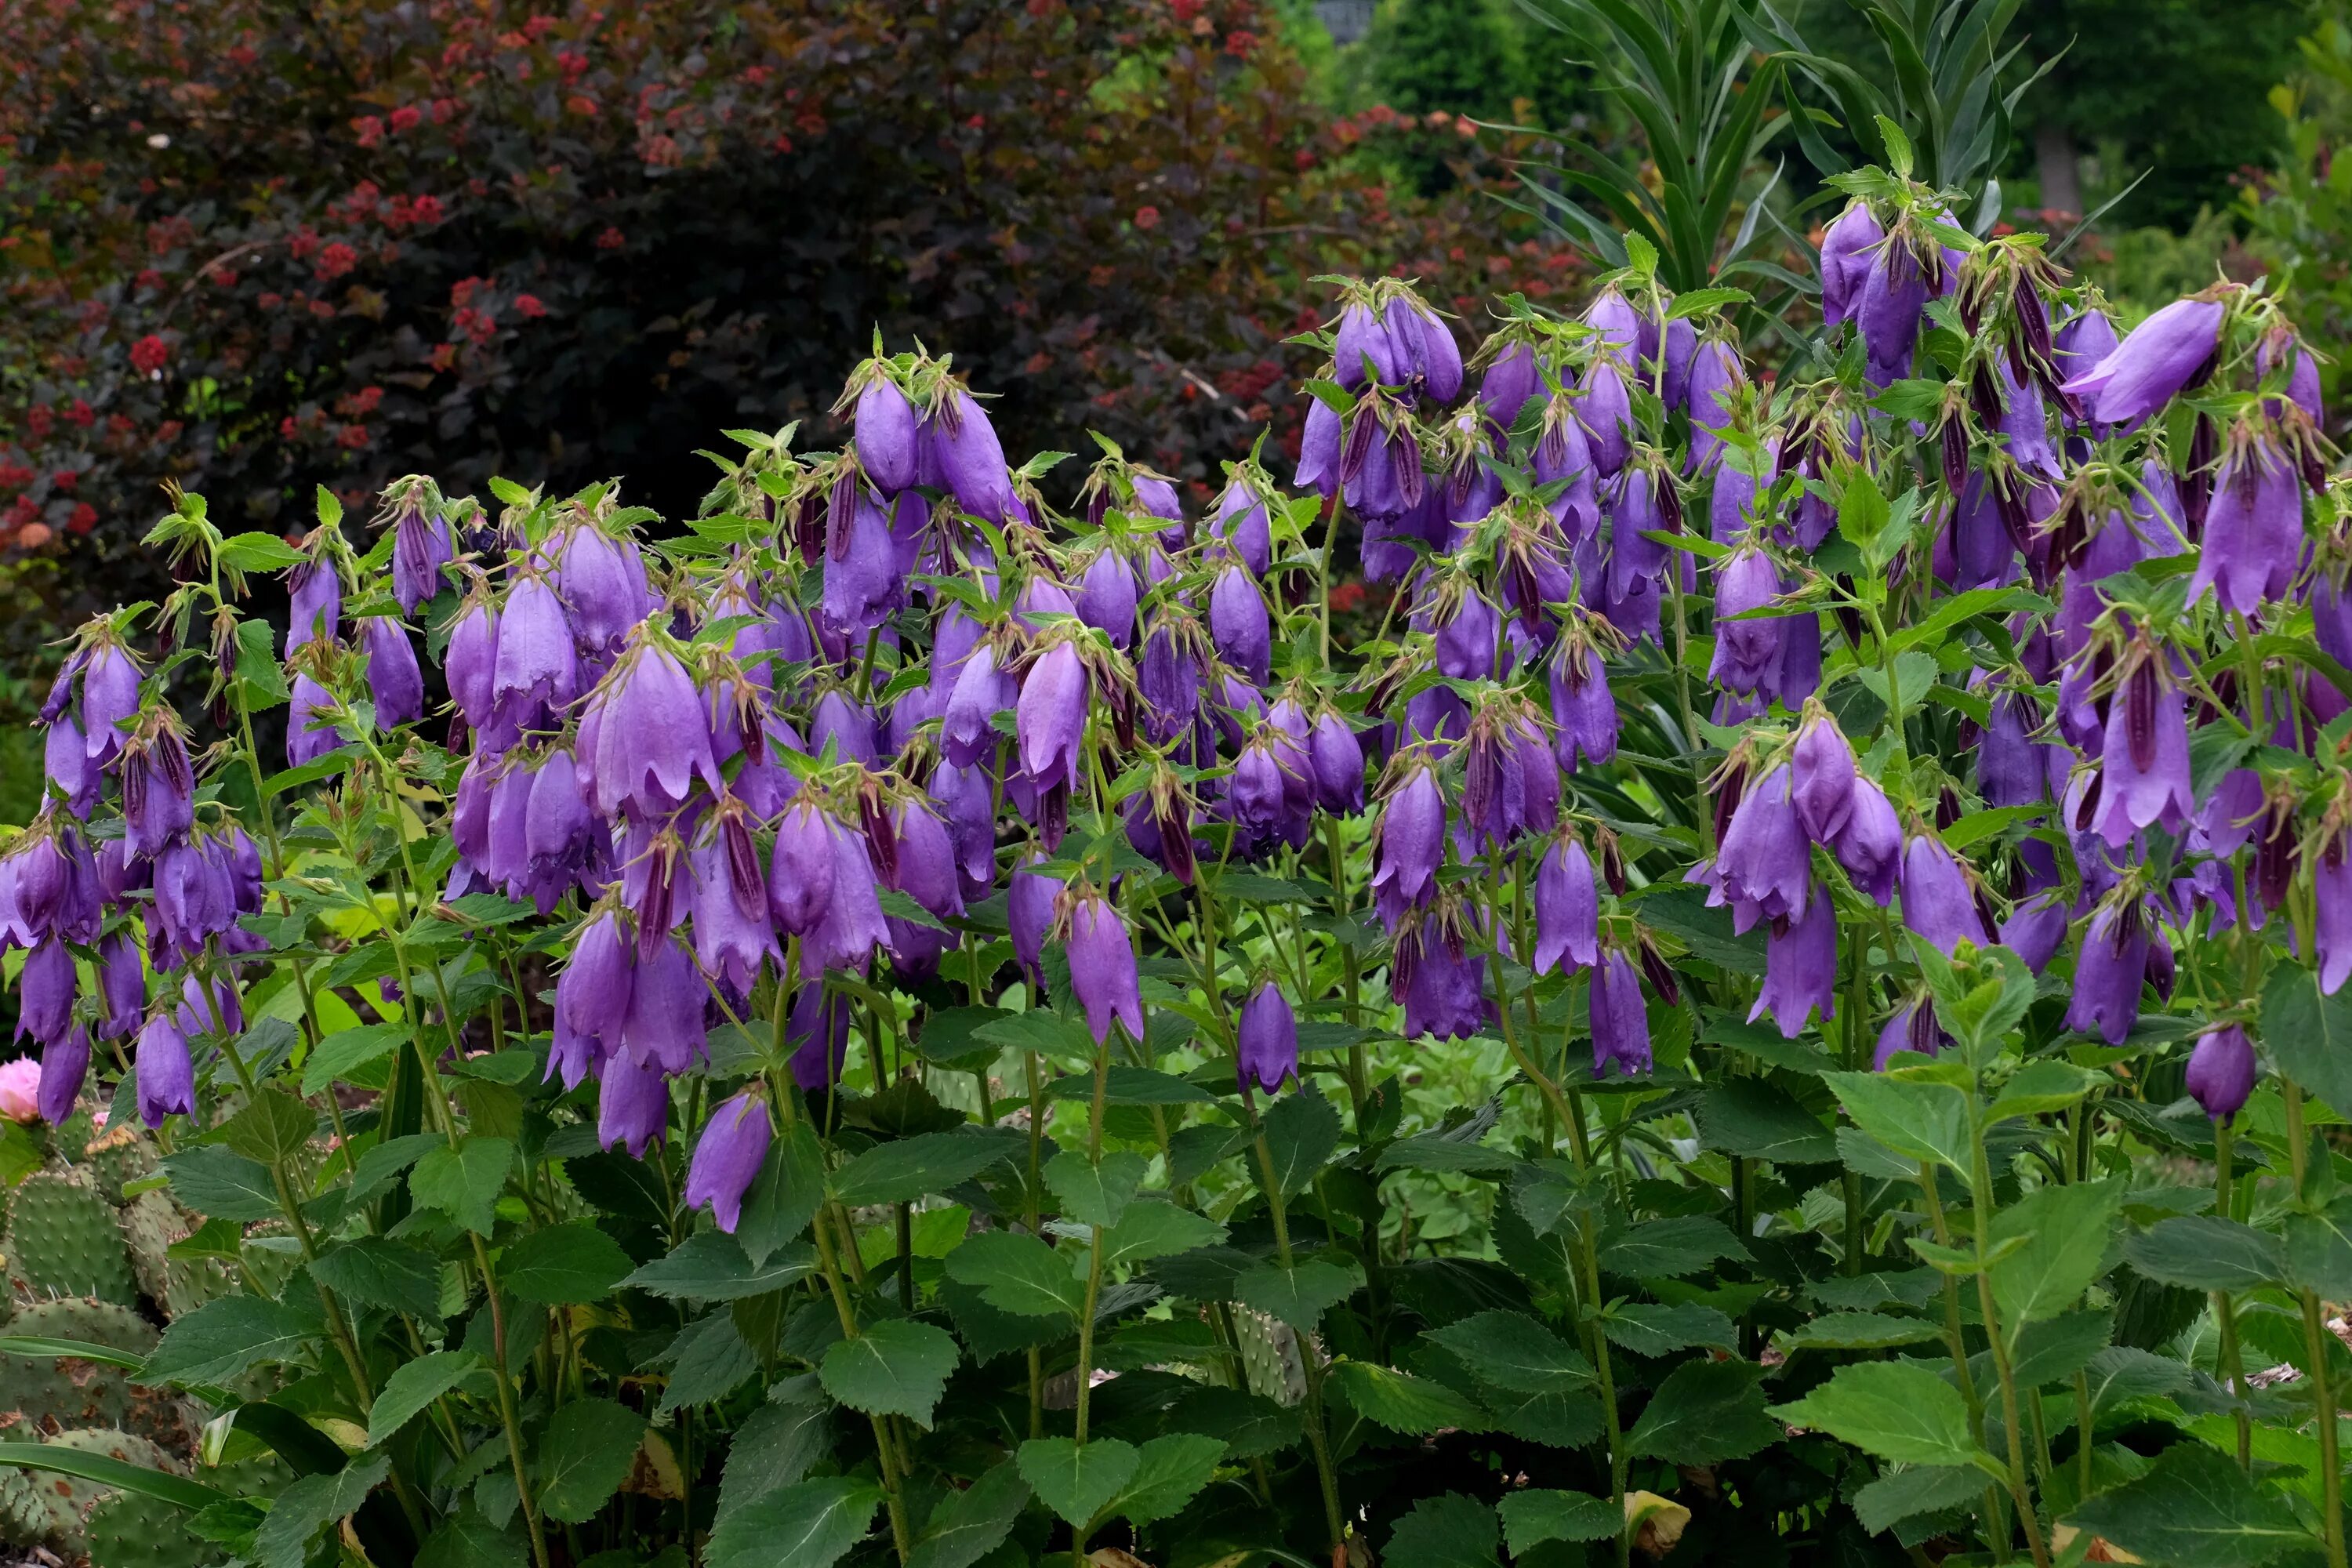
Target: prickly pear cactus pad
[72, 1496]
[130, 1529]
[63, 1240]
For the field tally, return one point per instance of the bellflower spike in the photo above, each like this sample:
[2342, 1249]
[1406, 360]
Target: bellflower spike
[2222, 1071]
[2144, 770]
[2160, 358]
[1800, 968]
[727, 1158]
[2253, 526]
[1269, 1039]
[166, 1076]
[1102, 969]
[1619, 1017]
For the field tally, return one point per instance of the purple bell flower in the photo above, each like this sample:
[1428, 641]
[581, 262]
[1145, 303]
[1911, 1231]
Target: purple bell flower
[1107, 598]
[1050, 718]
[887, 446]
[1911, 1029]
[1511, 381]
[1583, 714]
[1269, 1039]
[2222, 1071]
[961, 446]
[1319, 449]
[1938, 907]
[1411, 845]
[209, 1007]
[1426, 347]
[1766, 859]
[1746, 653]
[1441, 986]
[2109, 970]
[602, 581]
[1622, 330]
[1846, 246]
[45, 993]
[159, 790]
[122, 985]
[1239, 624]
[536, 671]
[2254, 526]
[1893, 293]
[1605, 408]
[315, 590]
[395, 683]
[2331, 888]
[732, 936]
[66, 769]
[1337, 760]
[632, 1106]
[842, 719]
[664, 1025]
[851, 926]
[1029, 913]
[65, 1064]
[2160, 358]
[1869, 845]
[653, 736]
[1364, 349]
[471, 662]
[166, 1075]
[310, 726]
[1620, 1017]
[2144, 770]
[1102, 969]
[110, 699]
[801, 868]
[2281, 346]
[864, 582]
[967, 730]
[1822, 778]
[2012, 768]
[1801, 960]
[819, 1031]
[728, 1156]
[1241, 525]
[2036, 930]
[1568, 909]
[592, 995]
[1716, 376]
[2082, 340]
[421, 547]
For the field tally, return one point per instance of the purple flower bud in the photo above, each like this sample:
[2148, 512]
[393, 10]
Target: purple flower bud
[1050, 718]
[1337, 760]
[602, 581]
[653, 736]
[2163, 356]
[167, 1077]
[1766, 858]
[1871, 844]
[1938, 907]
[45, 993]
[851, 926]
[728, 1156]
[1910, 1028]
[887, 447]
[1364, 349]
[1894, 294]
[2254, 526]
[1620, 1018]
[1511, 380]
[1426, 347]
[1624, 330]
[1412, 845]
[66, 769]
[1319, 449]
[209, 1007]
[421, 547]
[1583, 714]
[1107, 598]
[1029, 910]
[2109, 971]
[1562, 452]
[472, 661]
[819, 1031]
[1241, 525]
[1239, 624]
[394, 681]
[1822, 776]
[961, 446]
[536, 669]
[1715, 375]
[65, 1064]
[1746, 652]
[864, 579]
[1269, 1039]
[2144, 770]
[799, 871]
[1568, 909]
[1846, 260]
[2036, 930]
[983, 690]
[593, 992]
[122, 985]
[310, 722]
[2331, 888]
[1102, 969]
[2222, 1071]
[110, 699]
[664, 1025]
[632, 1105]
[1800, 968]
[315, 590]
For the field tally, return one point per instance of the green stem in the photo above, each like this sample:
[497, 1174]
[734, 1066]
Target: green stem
[2225, 1313]
[1981, 1189]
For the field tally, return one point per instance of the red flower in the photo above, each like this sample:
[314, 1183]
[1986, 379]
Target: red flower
[287, 428]
[270, 300]
[528, 307]
[581, 104]
[64, 480]
[149, 278]
[337, 259]
[354, 436]
[1146, 216]
[428, 210]
[148, 355]
[81, 414]
[406, 116]
[461, 292]
[444, 355]
[84, 519]
[370, 130]
[38, 421]
[611, 240]
[321, 309]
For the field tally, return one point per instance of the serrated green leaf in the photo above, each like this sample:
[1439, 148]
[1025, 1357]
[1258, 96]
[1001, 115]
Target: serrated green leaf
[1534, 1516]
[584, 1455]
[1704, 1411]
[1019, 1274]
[464, 1182]
[1897, 1410]
[1075, 1481]
[564, 1264]
[911, 1168]
[2194, 1506]
[2063, 1229]
[413, 1385]
[380, 1273]
[1651, 1329]
[222, 1338]
[1298, 1295]
[2206, 1252]
[973, 1522]
[810, 1525]
[784, 1196]
[1512, 1351]
[711, 1266]
[896, 1367]
[1401, 1402]
[1094, 1194]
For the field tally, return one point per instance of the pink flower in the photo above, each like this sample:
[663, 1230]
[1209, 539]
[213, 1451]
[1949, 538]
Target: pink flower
[20, 1089]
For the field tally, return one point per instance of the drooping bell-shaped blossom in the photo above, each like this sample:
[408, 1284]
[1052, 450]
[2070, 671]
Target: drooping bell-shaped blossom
[632, 1106]
[1319, 450]
[395, 683]
[66, 769]
[2109, 970]
[845, 935]
[2331, 886]
[121, 985]
[732, 936]
[209, 1006]
[653, 736]
[728, 1156]
[166, 1075]
[1622, 330]
[1268, 1034]
[601, 582]
[2281, 346]
[1716, 377]
[962, 456]
[1364, 351]
[927, 873]
[1562, 452]
[1107, 598]
[1678, 355]
[1895, 292]
[1620, 1017]
[559, 838]
[1869, 845]
[2160, 358]
[65, 1065]
[314, 591]
[845, 724]
[1605, 408]
[1766, 859]
[1425, 348]
[2082, 340]
[1410, 846]
[1441, 984]
[310, 721]
[1512, 379]
[818, 1031]
[1337, 759]
[421, 547]
[1102, 969]
[1568, 908]
[2012, 769]
[1241, 525]
[592, 995]
[1938, 906]
[1911, 1027]
[537, 670]
[110, 699]
[2144, 770]
[1169, 678]
[572, 1055]
[968, 732]
[1029, 915]
[193, 896]
[664, 1023]
[1846, 247]
[1801, 961]
[1466, 639]
[1821, 777]
[2036, 930]
[1050, 718]
[884, 429]
[2253, 526]
[1746, 652]
[471, 662]
[2222, 1071]
[1239, 624]
[801, 868]
[967, 802]
[864, 582]
[45, 993]
[159, 788]
[1744, 476]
